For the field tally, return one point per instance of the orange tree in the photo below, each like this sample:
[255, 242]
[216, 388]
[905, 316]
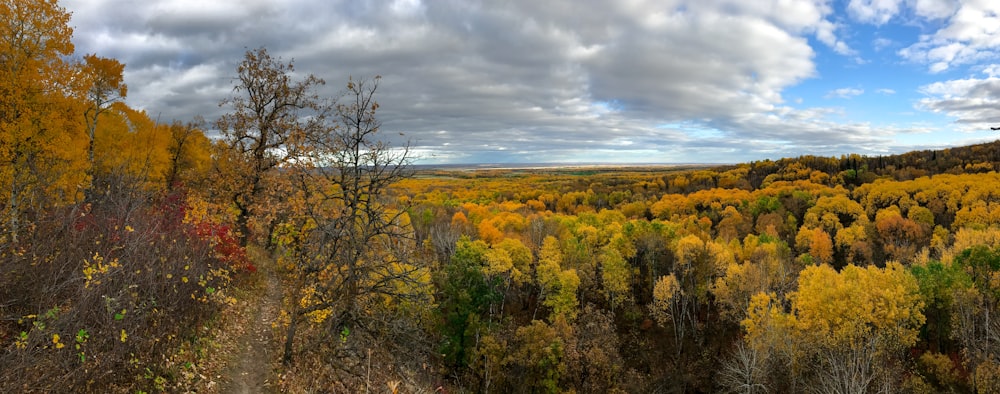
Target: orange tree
[40, 157]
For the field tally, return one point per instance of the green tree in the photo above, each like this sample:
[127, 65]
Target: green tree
[536, 358]
[975, 312]
[467, 297]
[938, 285]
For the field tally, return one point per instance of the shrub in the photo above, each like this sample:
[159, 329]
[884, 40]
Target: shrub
[97, 292]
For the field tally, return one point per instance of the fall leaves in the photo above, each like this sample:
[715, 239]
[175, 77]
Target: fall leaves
[594, 281]
[91, 241]
[63, 122]
[802, 271]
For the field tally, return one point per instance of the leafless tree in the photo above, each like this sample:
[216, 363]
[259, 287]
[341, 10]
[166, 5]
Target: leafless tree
[744, 372]
[350, 246]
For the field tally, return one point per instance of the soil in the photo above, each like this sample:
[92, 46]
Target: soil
[254, 354]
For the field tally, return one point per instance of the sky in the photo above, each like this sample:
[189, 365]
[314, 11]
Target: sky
[586, 81]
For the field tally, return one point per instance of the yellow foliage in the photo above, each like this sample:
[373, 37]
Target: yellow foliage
[319, 316]
[520, 258]
[968, 237]
[832, 213]
[616, 276]
[941, 368]
[536, 205]
[458, 220]
[510, 206]
[42, 141]
[987, 377]
[95, 267]
[839, 309]
[666, 290]
[854, 239]
[689, 250]
[558, 286]
[671, 205]
[765, 268]
[498, 261]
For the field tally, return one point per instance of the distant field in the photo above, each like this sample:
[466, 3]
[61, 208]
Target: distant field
[557, 166]
[513, 169]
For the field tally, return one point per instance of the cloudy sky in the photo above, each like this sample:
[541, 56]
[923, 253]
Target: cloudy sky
[532, 81]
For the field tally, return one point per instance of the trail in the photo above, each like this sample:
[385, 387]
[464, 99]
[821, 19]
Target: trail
[250, 368]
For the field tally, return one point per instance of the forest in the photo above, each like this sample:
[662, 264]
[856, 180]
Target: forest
[131, 251]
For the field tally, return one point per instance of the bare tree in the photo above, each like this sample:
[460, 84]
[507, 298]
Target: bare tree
[848, 369]
[745, 370]
[350, 247]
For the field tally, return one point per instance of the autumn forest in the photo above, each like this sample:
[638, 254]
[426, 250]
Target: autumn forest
[134, 253]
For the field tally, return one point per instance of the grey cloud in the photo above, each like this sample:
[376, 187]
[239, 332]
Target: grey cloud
[521, 80]
[972, 102]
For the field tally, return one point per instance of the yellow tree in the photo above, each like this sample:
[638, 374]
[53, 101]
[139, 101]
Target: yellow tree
[849, 321]
[616, 276]
[39, 153]
[766, 266]
[101, 84]
[857, 316]
[697, 264]
[130, 144]
[669, 306]
[189, 154]
[558, 286]
[901, 238]
[832, 213]
[678, 296]
[853, 240]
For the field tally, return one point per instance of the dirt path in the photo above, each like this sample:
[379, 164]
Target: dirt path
[250, 368]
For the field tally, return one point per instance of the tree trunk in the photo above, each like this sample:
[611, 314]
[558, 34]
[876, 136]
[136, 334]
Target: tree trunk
[289, 340]
[14, 212]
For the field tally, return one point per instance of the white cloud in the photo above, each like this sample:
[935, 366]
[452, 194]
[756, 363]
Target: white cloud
[826, 33]
[887, 92]
[971, 34]
[520, 80]
[882, 43]
[935, 9]
[992, 70]
[844, 93]
[877, 12]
